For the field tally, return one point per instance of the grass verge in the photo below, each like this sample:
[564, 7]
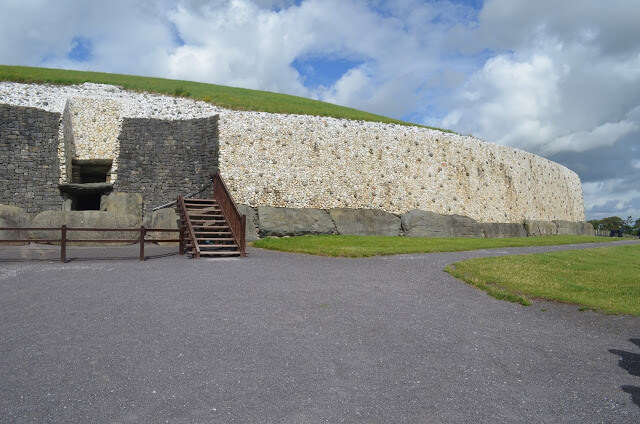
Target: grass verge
[604, 279]
[359, 246]
[227, 97]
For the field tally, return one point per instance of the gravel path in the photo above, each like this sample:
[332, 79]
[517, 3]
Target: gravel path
[293, 338]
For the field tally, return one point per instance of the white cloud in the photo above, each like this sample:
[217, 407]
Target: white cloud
[549, 77]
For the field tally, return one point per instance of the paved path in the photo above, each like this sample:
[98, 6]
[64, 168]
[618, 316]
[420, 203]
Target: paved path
[285, 338]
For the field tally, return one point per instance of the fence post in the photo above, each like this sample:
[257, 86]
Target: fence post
[142, 233]
[181, 248]
[63, 243]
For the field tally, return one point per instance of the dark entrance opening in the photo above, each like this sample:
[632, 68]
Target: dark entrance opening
[90, 202]
[90, 180]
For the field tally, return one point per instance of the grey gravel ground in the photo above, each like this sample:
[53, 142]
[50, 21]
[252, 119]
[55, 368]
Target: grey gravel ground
[297, 339]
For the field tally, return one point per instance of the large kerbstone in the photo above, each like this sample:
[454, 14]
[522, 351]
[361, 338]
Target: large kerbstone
[85, 219]
[568, 227]
[281, 222]
[417, 223]
[122, 204]
[587, 229]
[365, 222]
[540, 228]
[503, 230]
[12, 216]
[168, 219]
[463, 226]
[251, 232]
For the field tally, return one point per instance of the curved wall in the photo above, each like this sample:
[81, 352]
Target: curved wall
[171, 145]
[315, 162]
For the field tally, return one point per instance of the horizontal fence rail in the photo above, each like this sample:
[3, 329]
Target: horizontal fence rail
[64, 239]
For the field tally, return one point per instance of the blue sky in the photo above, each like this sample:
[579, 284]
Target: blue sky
[547, 77]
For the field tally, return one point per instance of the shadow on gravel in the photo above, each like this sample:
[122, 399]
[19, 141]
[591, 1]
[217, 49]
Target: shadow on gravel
[630, 362]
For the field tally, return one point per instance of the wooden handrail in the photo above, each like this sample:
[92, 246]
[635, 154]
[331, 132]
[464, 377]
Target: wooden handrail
[237, 222]
[190, 232]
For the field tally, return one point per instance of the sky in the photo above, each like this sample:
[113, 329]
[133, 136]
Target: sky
[557, 78]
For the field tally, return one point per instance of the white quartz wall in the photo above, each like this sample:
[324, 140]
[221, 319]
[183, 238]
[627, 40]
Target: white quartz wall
[315, 162]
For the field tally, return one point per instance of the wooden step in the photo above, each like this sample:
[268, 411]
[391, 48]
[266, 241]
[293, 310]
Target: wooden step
[230, 253]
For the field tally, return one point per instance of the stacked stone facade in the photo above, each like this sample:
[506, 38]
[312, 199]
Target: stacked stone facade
[29, 170]
[162, 147]
[162, 159]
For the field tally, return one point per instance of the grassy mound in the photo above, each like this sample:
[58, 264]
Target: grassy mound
[218, 95]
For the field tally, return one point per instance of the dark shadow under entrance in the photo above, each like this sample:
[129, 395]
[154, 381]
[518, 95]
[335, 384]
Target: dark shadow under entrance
[90, 180]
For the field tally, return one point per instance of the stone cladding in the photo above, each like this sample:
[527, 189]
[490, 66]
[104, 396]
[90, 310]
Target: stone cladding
[302, 161]
[314, 162]
[29, 173]
[162, 159]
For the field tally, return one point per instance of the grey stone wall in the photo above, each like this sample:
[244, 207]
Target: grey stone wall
[161, 159]
[29, 156]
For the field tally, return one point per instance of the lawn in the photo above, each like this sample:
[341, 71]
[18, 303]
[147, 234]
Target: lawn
[604, 279]
[359, 246]
[227, 97]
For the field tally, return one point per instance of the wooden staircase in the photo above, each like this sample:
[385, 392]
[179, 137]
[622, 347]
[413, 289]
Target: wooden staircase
[213, 236]
[212, 227]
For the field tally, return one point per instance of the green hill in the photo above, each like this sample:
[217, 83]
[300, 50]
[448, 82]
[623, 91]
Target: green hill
[227, 97]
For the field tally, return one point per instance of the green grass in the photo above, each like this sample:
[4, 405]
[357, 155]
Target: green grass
[605, 279]
[358, 246]
[227, 97]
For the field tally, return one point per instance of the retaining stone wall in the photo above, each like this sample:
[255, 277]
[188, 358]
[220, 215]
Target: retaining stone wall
[28, 153]
[315, 162]
[265, 221]
[162, 159]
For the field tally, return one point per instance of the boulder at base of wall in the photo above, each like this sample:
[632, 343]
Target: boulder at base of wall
[281, 222]
[168, 219]
[540, 228]
[568, 227]
[251, 233]
[122, 204]
[85, 219]
[417, 223]
[12, 216]
[365, 222]
[587, 229]
[503, 230]
[463, 226]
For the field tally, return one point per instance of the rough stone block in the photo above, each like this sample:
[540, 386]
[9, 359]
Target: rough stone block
[568, 227]
[503, 230]
[252, 218]
[12, 216]
[365, 222]
[166, 218]
[85, 219]
[587, 229]
[122, 204]
[540, 228]
[293, 222]
[463, 226]
[417, 223]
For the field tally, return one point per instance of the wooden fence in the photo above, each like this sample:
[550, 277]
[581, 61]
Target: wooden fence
[64, 240]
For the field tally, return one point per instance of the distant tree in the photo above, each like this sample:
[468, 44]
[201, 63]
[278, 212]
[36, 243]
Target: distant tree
[610, 223]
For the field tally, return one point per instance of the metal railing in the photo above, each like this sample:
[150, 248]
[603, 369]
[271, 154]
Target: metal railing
[64, 239]
[237, 222]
